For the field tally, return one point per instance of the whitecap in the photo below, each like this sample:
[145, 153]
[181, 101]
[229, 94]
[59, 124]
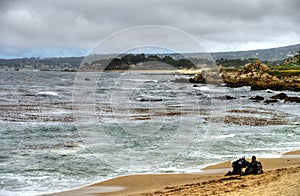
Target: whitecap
[212, 89]
[48, 93]
[226, 136]
[220, 136]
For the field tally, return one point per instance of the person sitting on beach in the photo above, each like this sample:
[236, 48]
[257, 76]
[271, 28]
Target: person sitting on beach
[255, 167]
[237, 166]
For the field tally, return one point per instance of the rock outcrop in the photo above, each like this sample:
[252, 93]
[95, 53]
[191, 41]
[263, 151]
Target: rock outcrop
[254, 68]
[255, 74]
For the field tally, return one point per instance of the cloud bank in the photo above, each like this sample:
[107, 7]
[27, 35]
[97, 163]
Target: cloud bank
[32, 27]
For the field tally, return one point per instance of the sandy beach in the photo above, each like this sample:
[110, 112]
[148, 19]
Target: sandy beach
[281, 177]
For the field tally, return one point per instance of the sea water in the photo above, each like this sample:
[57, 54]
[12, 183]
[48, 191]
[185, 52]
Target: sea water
[62, 130]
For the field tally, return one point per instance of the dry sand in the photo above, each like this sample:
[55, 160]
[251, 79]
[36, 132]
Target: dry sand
[281, 177]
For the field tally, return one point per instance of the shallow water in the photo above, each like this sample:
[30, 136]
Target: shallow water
[61, 131]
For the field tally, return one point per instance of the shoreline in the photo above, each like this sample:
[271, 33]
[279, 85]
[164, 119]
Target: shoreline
[210, 178]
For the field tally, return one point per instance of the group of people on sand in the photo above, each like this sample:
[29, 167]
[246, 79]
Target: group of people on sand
[253, 167]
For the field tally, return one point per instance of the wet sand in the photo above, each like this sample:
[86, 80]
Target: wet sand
[281, 177]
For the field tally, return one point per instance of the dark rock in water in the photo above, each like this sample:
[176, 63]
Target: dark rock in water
[283, 96]
[29, 95]
[198, 93]
[148, 99]
[87, 79]
[271, 101]
[195, 85]
[257, 98]
[70, 144]
[292, 99]
[226, 97]
[279, 96]
[198, 79]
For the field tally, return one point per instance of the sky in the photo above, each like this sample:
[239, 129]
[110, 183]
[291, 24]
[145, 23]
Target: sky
[74, 27]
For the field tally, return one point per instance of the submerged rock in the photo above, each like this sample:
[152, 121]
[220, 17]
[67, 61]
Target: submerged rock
[271, 101]
[226, 97]
[70, 144]
[292, 99]
[257, 98]
[151, 99]
[247, 121]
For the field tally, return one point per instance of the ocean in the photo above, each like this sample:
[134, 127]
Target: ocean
[65, 130]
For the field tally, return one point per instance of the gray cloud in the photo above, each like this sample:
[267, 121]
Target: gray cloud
[217, 24]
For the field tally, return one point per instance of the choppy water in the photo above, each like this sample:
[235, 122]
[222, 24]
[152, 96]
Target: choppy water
[57, 134]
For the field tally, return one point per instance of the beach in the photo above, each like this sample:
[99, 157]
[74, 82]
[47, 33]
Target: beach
[280, 177]
[148, 131]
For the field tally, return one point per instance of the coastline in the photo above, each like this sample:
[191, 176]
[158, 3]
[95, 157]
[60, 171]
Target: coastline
[182, 72]
[283, 172]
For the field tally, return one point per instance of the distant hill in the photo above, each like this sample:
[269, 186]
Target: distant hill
[277, 55]
[272, 54]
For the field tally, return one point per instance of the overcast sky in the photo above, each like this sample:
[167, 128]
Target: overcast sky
[73, 27]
